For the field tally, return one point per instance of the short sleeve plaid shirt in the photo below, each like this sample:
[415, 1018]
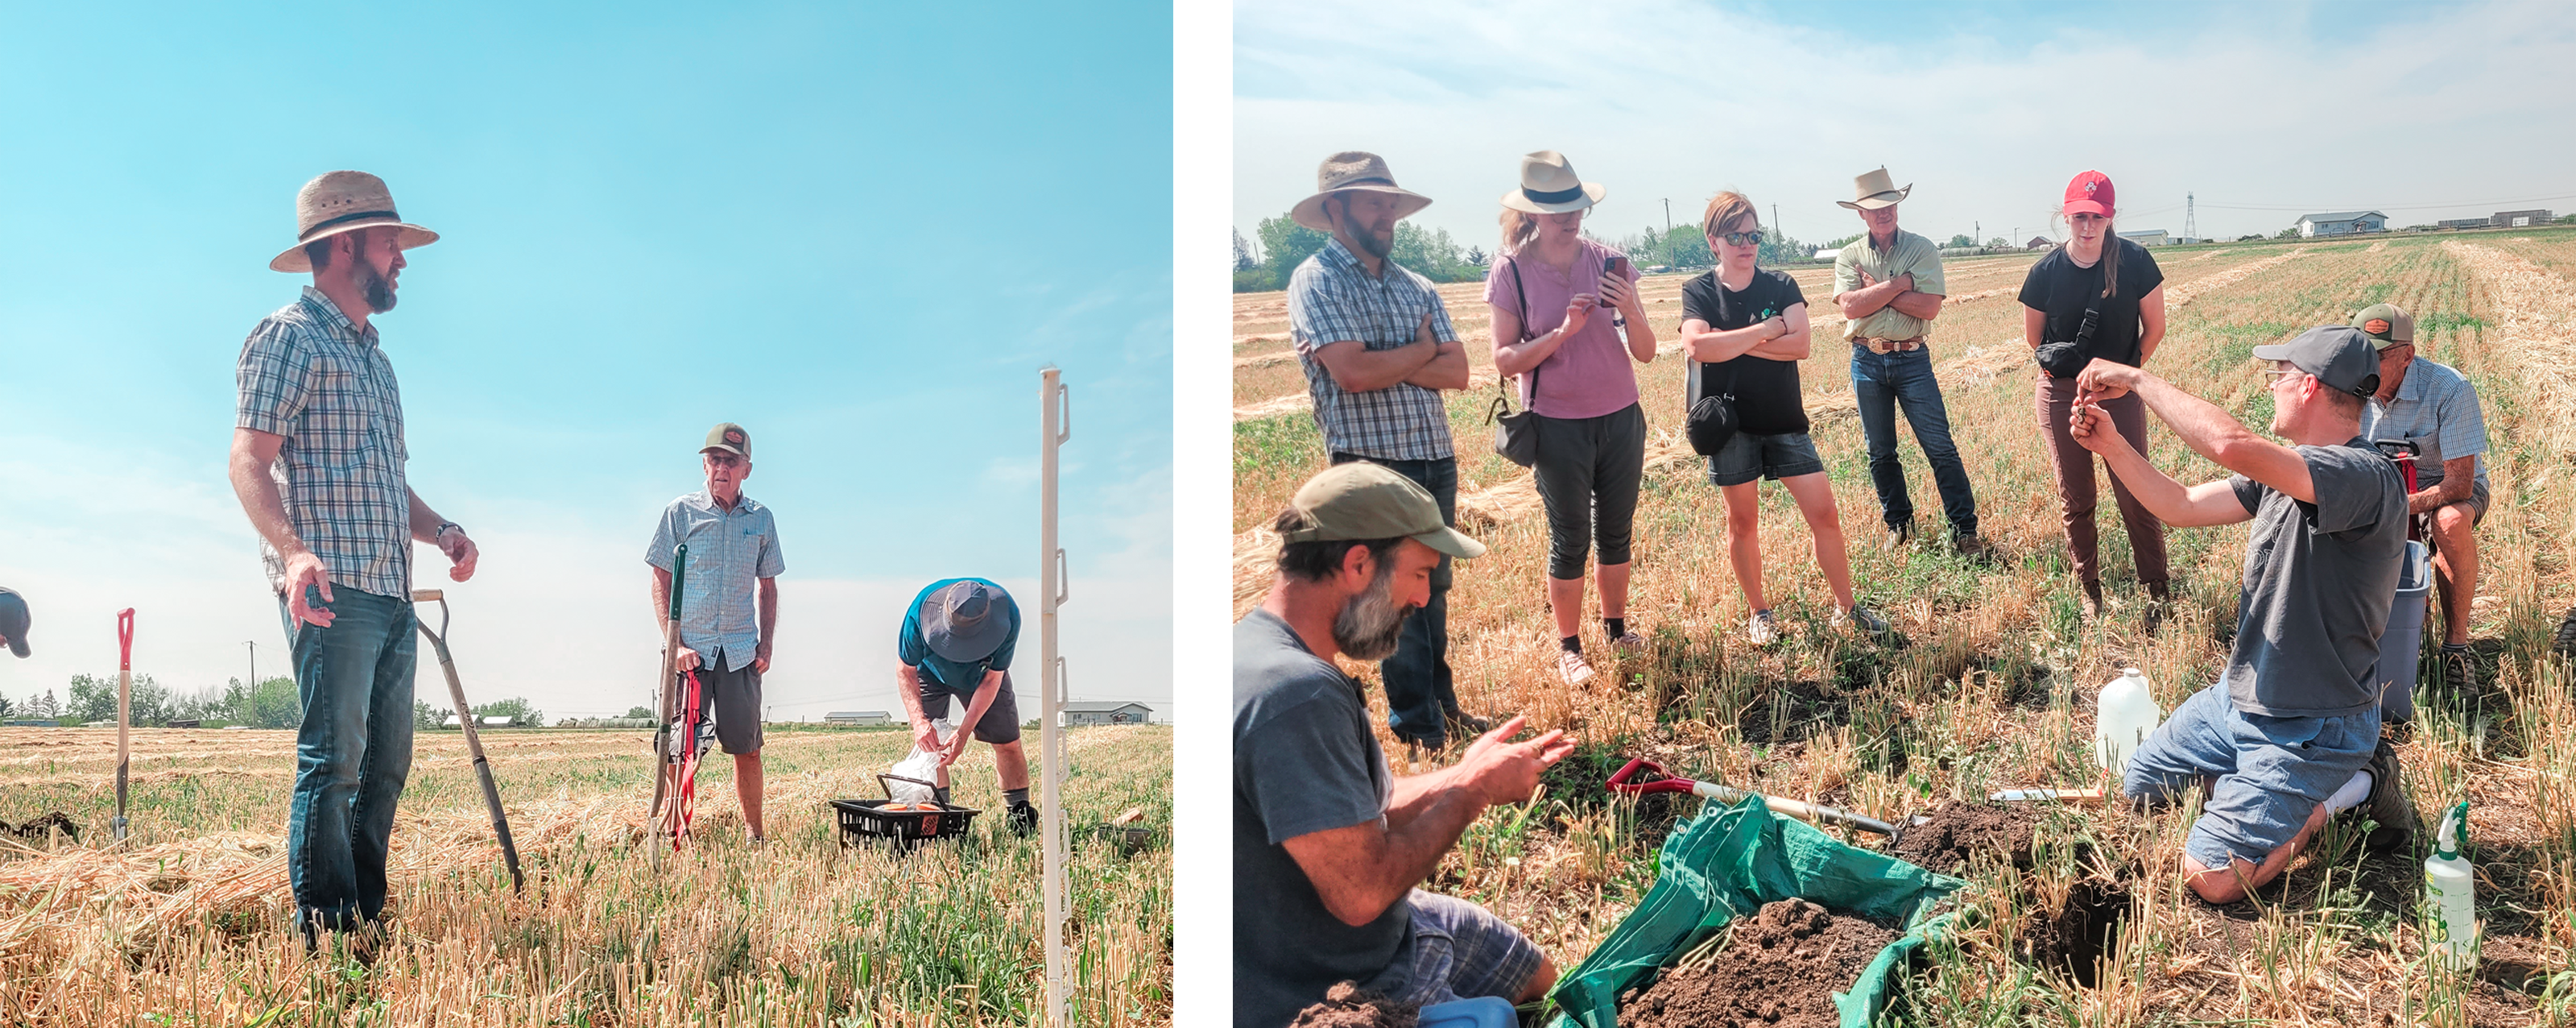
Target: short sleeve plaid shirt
[729, 552]
[1332, 299]
[309, 375]
[2437, 409]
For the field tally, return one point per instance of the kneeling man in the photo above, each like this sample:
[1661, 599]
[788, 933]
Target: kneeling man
[1328, 843]
[2290, 732]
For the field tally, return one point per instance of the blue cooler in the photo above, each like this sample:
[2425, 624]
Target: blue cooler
[2401, 646]
[1481, 1012]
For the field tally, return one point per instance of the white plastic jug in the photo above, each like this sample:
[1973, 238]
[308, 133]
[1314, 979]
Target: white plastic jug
[2122, 719]
[2450, 887]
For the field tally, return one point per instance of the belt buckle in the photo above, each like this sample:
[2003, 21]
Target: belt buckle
[1875, 344]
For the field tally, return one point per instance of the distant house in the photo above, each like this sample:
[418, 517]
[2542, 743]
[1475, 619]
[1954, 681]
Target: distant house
[2148, 237]
[1103, 713]
[2519, 219]
[2464, 223]
[858, 717]
[485, 721]
[2039, 243]
[2341, 223]
[1826, 255]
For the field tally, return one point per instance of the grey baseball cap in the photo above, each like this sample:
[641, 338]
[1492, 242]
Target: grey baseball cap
[1361, 501]
[2341, 356]
[13, 620]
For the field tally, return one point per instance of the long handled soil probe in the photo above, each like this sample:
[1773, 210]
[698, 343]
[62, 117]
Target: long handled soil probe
[465, 720]
[1625, 781]
[664, 700]
[124, 697]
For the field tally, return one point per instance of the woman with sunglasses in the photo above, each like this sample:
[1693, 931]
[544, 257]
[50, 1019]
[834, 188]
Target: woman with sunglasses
[2096, 296]
[1747, 330]
[1556, 298]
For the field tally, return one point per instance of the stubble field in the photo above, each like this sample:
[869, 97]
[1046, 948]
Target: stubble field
[188, 923]
[1996, 688]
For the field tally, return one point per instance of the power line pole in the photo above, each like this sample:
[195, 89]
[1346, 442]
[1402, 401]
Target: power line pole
[1668, 231]
[254, 662]
[2190, 227]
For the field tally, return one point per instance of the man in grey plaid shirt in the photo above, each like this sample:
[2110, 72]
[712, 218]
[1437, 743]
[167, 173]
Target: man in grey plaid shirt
[317, 460]
[733, 569]
[2434, 406]
[1377, 349]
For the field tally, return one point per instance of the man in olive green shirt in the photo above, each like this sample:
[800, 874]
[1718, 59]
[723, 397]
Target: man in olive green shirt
[1888, 285]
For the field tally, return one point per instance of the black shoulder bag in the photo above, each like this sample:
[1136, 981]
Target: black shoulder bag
[2065, 358]
[1711, 420]
[1516, 432]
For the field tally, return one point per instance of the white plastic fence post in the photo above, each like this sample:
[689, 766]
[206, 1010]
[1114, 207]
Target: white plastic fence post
[1055, 427]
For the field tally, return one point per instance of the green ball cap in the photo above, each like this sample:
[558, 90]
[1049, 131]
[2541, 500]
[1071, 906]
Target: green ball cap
[2386, 324]
[730, 438]
[1360, 501]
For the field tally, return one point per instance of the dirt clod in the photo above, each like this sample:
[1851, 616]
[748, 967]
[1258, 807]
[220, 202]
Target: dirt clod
[1779, 967]
[1347, 1006]
[1958, 831]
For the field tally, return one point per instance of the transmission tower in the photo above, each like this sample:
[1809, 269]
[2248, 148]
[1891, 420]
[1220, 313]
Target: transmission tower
[2189, 230]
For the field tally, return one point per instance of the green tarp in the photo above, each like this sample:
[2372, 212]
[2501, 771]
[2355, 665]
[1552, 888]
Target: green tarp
[1726, 863]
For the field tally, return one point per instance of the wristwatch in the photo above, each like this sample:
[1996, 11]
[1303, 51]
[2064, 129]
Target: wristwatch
[443, 526]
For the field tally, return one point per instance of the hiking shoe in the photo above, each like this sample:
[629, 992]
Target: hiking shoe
[2460, 673]
[1972, 546]
[2565, 644]
[1899, 535]
[2387, 804]
[1862, 620]
[1629, 643]
[1464, 723]
[1759, 629]
[2092, 601]
[1024, 819]
[1571, 666]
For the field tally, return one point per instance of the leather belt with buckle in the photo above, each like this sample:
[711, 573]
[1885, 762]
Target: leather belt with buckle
[1890, 345]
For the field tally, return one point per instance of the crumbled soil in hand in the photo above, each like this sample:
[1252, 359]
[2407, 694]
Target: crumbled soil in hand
[1957, 831]
[1780, 967]
[1345, 1006]
[2080, 934]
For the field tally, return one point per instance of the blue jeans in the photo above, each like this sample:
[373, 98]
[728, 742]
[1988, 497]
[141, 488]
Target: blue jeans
[1884, 381]
[1419, 687]
[352, 754]
[2271, 772]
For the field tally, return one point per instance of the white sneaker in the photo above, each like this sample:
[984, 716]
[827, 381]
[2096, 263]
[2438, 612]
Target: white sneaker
[1760, 629]
[1861, 619]
[1572, 667]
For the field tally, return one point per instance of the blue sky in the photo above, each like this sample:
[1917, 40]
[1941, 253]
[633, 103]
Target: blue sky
[2260, 112]
[857, 232]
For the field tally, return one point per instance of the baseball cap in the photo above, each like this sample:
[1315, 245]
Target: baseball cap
[730, 438]
[13, 620]
[2339, 355]
[2089, 193]
[1361, 501]
[2386, 324]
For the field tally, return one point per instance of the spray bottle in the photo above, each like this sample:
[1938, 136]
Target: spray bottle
[2124, 715]
[2450, 913]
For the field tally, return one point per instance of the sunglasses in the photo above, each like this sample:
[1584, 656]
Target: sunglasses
[1742, 238]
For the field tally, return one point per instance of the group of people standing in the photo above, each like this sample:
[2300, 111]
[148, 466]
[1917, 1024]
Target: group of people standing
[1330, 843]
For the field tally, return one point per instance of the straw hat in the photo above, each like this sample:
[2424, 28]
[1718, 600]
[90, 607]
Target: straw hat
[1550, 186]
[1353, 169]
[1874, 190]
[344, 201]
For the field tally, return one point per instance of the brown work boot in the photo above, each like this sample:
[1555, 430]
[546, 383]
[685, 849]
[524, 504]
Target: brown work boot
[2565, 644]
[2092, 601]
[2460, 674]
[2387, 804]
[1972, 546]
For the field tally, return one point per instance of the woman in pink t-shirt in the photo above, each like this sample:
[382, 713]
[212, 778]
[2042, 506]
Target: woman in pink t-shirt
[1559, 302]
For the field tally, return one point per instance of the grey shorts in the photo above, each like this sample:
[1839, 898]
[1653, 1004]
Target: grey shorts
[1462, 951]
[2272, 772]
[1747, 457]
[1001, 721]
[734, 697]
[2477, 501]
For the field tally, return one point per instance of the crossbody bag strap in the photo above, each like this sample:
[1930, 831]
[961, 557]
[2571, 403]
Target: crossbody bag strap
[1521, 291]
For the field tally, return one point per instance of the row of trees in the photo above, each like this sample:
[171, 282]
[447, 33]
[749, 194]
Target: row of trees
[1285, 244]
[272, 703]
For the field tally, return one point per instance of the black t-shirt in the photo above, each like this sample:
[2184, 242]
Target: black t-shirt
[1766, 391]
[2059, 289]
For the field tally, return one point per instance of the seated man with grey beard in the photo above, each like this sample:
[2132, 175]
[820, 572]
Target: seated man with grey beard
[1328, 843]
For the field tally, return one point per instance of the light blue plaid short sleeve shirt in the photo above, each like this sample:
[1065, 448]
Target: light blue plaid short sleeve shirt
[308, 374]
[730, 551]
[2437, 408]
[1331, 299]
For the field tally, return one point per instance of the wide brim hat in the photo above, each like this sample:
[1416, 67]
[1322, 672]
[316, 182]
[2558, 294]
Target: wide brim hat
[1550, 186]
[344, 201]
[14, 620]
[966, 621]
[1353, 170]
[1876, 189]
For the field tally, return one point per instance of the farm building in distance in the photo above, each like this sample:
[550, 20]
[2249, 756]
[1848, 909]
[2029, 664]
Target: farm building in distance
[2519, 219]
[2341, 223]
[858, 717]
[1104, 713]
[2148, 237]
[2463, 223]
[2038, 243]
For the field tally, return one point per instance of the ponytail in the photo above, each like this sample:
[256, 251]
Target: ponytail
[1518, 229]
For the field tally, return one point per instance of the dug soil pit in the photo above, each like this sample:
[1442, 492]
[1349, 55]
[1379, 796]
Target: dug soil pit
[1780, 967]
[1957, 831]
[1345, 1006]
[2084, 932]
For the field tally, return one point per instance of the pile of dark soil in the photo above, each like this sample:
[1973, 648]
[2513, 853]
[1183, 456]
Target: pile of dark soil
[1779, 967]
[2080, 934]
[1956, 831]
[1345, 1006]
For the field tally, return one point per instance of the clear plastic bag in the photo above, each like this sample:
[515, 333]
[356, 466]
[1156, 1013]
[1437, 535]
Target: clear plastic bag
[921, 767]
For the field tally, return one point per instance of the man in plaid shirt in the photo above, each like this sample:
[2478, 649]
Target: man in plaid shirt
[317, 460]
[732, 575]
[1377, 349]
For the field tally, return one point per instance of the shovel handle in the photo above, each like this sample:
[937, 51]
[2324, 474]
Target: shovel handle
[125, 639]
[679, 574]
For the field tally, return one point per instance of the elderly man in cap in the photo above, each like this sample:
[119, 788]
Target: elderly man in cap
[13, 621]
[957, 640]
[1328, 842]
[1375, 342]
[2434, 407]
[2289, 734]
[1888, 285]
[318, 461]
[733, 567]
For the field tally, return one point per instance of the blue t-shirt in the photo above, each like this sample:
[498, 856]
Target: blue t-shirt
[960, 678]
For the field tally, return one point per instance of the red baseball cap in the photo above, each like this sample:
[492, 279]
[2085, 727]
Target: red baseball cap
[2089, 193]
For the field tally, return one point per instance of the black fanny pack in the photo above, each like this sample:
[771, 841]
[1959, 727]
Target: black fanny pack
[2066, 358]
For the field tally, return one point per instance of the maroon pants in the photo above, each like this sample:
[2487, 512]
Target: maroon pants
[2075, 489]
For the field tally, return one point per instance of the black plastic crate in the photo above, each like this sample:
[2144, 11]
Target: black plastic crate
[869, 821]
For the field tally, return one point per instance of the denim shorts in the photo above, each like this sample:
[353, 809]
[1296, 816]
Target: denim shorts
[1462, 951]
[1747, 457]
[2272, 772]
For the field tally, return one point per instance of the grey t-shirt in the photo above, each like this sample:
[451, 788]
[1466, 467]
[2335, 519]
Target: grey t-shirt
[2319, 579]
[1304, 761]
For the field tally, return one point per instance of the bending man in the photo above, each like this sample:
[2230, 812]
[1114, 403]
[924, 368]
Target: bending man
[957, 640]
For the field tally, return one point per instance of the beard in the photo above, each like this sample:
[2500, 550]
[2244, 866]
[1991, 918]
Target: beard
[1377, 246]
[1368, 625]
[378, 289]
